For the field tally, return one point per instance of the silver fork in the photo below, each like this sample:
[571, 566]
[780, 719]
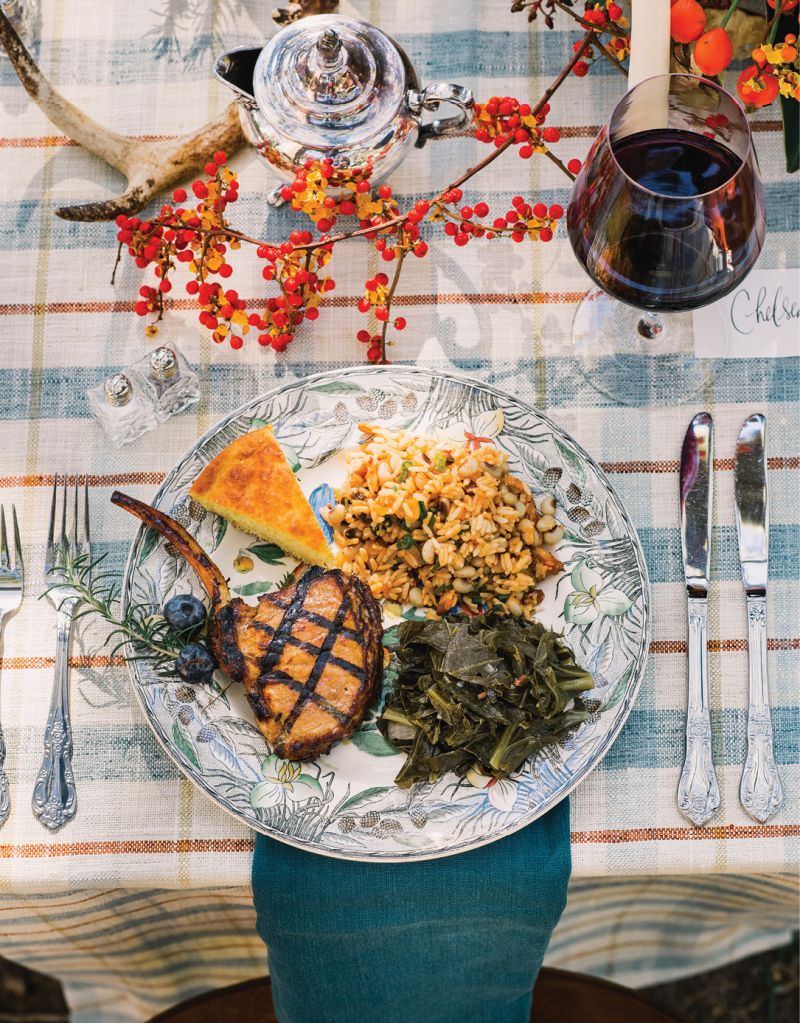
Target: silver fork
[55, 800]
[12, 582]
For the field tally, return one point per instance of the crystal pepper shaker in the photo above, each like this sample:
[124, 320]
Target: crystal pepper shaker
[170, 380]
[123, 413]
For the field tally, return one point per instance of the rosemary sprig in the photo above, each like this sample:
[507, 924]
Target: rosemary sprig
[136, 628]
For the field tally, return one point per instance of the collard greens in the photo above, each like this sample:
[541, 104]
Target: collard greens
[485, 692]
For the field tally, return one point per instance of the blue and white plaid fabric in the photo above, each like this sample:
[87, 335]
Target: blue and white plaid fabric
[142, 900]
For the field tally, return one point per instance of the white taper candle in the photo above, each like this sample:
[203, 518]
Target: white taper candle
[650, 50]
[650, 45]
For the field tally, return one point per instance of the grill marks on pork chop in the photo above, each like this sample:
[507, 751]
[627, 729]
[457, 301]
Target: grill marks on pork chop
[313, 661]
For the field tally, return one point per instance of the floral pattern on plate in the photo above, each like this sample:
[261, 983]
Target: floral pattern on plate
[345, 804]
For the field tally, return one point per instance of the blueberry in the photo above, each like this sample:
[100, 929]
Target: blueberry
[195, 664]
[184, 612]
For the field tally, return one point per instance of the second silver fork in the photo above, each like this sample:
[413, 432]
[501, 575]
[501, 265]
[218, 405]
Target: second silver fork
[11, 587]
[55, 799]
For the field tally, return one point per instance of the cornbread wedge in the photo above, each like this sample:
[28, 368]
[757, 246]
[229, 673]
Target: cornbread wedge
[252, 485]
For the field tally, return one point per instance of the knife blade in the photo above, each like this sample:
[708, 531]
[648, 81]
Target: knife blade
[760, 791]
[698, 792]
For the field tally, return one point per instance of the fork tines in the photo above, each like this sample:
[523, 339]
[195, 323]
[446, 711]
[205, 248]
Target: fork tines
[77, 541]
[9, 572]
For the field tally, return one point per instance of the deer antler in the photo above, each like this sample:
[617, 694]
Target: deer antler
[149, 167]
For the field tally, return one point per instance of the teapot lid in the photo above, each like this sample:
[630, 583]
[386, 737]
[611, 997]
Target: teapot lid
[325, 75]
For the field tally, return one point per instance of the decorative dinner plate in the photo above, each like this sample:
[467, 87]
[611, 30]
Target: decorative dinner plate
[345, 803]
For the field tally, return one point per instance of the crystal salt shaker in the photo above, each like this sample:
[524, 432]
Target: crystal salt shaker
[123, 411]
[169, 379]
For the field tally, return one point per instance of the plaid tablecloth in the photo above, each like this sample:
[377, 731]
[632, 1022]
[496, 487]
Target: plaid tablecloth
[143, 898]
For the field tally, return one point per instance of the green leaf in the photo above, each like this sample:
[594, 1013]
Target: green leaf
[620, 688]
[184, 743]
[572, 463]
[337, 387]
[374, 744]
[149, 544]
[291, 456]
[269, 553]
[253, 589]
[790, 110]
[363, 797]
[257, 424]
[219, 530]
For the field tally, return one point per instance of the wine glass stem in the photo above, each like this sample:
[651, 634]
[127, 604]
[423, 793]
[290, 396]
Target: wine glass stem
[650, 325]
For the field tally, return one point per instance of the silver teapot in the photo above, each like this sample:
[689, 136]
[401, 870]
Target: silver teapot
[330, 87]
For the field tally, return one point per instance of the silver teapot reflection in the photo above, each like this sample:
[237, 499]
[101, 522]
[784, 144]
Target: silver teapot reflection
[335, 88]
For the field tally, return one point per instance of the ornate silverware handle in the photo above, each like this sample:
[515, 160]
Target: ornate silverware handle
[760, 791]
[5, 795]
[430, 98]
[5, 798]
[698, 793]
[55, 800]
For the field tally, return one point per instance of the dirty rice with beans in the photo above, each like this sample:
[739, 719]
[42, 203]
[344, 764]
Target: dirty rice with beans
[434, 524]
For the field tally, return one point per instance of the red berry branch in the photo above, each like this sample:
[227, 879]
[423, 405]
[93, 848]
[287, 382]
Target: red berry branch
[197, 233]
[194, 229]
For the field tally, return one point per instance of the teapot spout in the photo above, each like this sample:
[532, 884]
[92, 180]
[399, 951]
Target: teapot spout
[236, 68]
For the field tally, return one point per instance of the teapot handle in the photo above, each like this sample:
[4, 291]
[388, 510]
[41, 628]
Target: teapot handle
[430, 97]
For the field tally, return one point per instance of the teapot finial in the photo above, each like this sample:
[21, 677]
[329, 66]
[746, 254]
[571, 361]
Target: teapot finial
[329, 44]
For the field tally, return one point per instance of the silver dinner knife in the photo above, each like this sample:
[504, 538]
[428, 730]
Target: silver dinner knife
[760, 791]
[698, 792]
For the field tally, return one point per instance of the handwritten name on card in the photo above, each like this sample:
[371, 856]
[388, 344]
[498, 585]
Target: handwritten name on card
[760, 319]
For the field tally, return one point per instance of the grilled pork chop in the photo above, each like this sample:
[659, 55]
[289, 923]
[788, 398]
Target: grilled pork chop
[310, 656]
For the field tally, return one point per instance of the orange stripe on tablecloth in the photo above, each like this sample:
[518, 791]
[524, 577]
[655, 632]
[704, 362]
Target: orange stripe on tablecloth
[671, 466]
[48, 141]
[149, 847]
[79, 661]
[658, 646]
[131, 847]
[337, 302]
[725, 646]
[719, 831]
[154, 478]
[577, 131]
[118, 479]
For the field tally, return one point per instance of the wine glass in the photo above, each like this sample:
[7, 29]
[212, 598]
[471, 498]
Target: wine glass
[666, 215]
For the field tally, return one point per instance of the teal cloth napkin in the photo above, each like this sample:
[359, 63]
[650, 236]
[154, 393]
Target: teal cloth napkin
[454, 940]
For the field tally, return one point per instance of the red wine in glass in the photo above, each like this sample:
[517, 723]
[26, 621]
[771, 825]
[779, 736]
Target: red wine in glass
[666, 215]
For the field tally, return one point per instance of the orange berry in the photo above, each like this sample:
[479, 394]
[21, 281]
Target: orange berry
[687, 19]
[789, 53]
[758, 55]
[713, 51]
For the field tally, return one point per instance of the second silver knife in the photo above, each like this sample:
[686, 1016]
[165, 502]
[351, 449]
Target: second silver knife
[698, 792]
[760, 791]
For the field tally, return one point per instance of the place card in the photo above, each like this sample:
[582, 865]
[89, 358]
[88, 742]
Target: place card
[760, 319]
